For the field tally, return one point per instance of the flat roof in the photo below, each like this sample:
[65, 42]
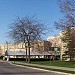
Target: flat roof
[23, 53]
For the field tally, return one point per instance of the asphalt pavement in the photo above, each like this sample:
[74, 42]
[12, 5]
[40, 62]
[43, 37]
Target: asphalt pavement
[9, 69]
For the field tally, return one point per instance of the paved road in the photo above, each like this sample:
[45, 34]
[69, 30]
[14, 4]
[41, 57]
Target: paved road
[8, 69]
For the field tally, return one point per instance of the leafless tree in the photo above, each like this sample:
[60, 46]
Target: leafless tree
[67, 24]
[67, 6]
[27, 30]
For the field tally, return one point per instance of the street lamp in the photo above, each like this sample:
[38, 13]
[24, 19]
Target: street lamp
[7, 45]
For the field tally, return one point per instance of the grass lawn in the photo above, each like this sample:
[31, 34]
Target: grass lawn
[48, 63]
[53, 63]
[56, 63]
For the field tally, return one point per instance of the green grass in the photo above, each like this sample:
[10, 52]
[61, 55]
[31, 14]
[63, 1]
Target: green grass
[56, 63]
[58, 70]
[53, 63]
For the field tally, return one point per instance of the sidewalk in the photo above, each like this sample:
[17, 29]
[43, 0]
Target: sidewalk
[43, 66]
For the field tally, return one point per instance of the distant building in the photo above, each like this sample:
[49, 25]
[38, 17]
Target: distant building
[36, 46]
[20, 53]
[40, 47]
[5, 47]
[57, 42]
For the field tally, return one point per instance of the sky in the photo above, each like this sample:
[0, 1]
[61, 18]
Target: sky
[47, 11]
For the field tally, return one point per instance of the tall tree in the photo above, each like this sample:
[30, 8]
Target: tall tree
[69, 38]
[27, 30]
[67, 6]
[67, 25]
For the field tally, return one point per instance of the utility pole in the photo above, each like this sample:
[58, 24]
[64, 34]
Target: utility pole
[14, 52]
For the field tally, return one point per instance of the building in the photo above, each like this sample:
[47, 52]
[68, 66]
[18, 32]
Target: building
[4, 47]
[37, 49]
[41, 46]
[57, 42]
[37, 46]
[20, 53]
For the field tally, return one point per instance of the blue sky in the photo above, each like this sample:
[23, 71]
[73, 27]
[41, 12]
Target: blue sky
[46, 10]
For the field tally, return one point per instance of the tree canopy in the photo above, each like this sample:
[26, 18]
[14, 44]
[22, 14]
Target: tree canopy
[67, 25]
[22, 28]
[27, 30]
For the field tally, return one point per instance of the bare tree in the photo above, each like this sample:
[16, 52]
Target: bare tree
[67, 24]
[69, 38]
[67, 6]
[27, 30]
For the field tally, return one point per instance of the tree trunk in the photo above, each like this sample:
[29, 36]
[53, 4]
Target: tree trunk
[28, 49]
[25, 49]
[26, 53]
[29, 55]
[70, 58]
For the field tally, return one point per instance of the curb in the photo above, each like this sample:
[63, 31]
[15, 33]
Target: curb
[42, 69]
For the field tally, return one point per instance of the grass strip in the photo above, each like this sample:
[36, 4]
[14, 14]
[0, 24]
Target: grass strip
[56, 63]
[58, 70]
[68, 64]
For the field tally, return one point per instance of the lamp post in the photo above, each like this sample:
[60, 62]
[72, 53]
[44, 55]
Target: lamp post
[7, 49]
[14, 53]
[7, 45]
